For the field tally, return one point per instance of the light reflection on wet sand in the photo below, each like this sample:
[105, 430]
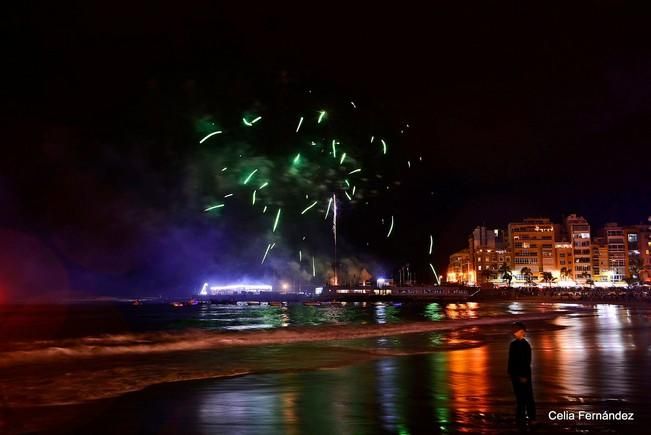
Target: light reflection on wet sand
[592, 362]
[582, 361]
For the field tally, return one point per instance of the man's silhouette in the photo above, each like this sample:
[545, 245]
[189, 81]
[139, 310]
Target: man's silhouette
[520, 372]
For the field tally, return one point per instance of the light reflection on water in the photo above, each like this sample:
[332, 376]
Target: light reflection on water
[239, 317]
[597, 355]
[591, 360]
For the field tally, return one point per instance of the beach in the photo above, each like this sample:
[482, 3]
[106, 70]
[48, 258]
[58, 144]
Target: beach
[445, 379]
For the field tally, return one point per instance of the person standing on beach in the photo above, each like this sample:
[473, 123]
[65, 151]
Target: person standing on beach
[519, 369]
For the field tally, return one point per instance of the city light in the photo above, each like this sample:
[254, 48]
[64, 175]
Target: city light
[234, 288]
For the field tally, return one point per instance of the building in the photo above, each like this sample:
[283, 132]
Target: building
[569, 251]
[637, 239]
[487, 253]
[234, 289]
[645, 254]
[615, 239]
[600, 266]
[531, 243]
[460, 268]
[578, 233]
[564, 264]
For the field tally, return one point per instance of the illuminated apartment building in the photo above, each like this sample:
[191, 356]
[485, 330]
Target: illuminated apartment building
[531, 243]
[599, 260]
[637, 239]
[578, 232]
[487, 253]
[564, 267]
[645, 254]
[460, 269]
[617, 255]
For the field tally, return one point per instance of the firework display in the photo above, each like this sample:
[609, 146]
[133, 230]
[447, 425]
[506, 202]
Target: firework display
[302, 167]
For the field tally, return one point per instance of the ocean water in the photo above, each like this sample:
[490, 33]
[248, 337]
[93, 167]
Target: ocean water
[265, 365]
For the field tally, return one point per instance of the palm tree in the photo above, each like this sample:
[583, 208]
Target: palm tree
[487, 274]
[505, 272]
[548, 278]
[586, 276]
[564, 272]
[527, 274]
[635, 266]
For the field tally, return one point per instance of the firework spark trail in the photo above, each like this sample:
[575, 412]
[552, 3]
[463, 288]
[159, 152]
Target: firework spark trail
[431, 244]
[334, 235]
[210, 135]
[266, 253]
[313, 267]
[325, 171]
[214, 207]
[247, 179]
[309, 207]
[300, 256]
[276, 221]
[438, 280]
[250, 123]
[390, 227]
[328, 209]
[334, 218]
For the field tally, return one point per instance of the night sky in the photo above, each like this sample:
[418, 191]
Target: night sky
[516, 112]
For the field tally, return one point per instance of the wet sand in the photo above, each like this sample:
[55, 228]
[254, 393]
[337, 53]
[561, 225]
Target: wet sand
[584, 361]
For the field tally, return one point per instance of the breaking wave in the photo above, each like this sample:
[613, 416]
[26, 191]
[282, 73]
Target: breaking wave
[196, 339]
[81, 370]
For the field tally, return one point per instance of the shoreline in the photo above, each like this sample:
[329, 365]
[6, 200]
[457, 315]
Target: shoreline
[193, 340]
[325, 336]
[58, 417]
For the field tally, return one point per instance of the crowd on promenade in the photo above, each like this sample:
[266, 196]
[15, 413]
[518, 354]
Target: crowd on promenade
[638, 293]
